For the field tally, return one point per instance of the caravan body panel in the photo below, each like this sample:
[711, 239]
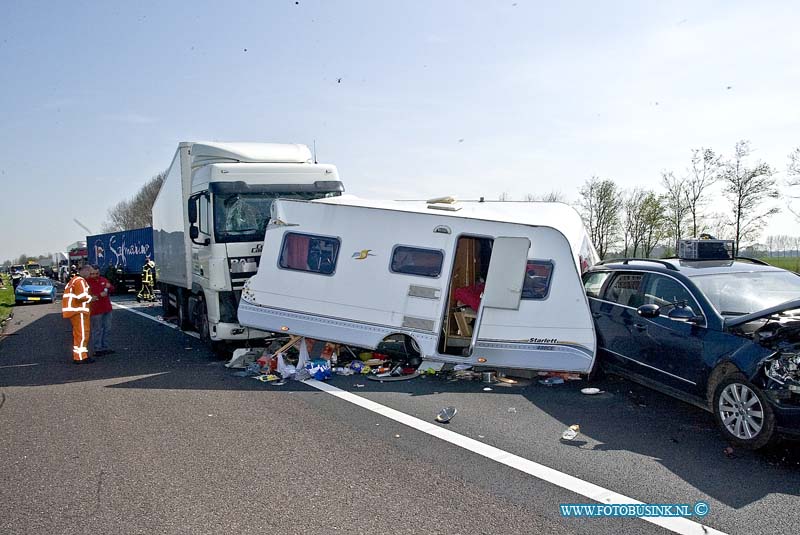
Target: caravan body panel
[360, 299]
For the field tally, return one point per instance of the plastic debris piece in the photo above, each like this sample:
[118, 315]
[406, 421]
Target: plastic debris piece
[358, 385]
[397, 436]
[729, 453]
[507, 380]
[571, 432]
[430, 365]
[446, 414]
[278, 383]
[591, 391]
[487, 389]
[512, 409]
[550, 381]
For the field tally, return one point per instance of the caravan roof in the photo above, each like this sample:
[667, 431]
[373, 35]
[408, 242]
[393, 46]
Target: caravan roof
[557, 215]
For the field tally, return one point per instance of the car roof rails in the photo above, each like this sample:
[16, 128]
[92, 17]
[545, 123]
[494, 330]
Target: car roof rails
[753, 260]
[625, 261]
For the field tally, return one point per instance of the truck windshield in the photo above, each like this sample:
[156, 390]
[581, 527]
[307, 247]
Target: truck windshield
[242, 217]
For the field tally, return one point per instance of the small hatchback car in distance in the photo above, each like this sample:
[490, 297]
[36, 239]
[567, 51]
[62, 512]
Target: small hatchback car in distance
[723, 334]
[35, 289]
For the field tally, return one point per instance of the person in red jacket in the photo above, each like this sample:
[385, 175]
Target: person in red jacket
[100, 289]
[75, 307]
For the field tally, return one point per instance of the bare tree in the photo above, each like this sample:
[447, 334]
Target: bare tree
[135, 212]
[747, 188]
[793, 181]
[703, 172]
[675, 204]
[654, 227]
[631, 205]
[600, 203]
[504, 197]
[553, 196]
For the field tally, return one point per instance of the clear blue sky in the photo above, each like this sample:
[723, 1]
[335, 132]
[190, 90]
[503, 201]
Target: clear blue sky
[435, 98]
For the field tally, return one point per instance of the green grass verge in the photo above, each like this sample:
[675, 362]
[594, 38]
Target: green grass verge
[6, 299]
[792, 263]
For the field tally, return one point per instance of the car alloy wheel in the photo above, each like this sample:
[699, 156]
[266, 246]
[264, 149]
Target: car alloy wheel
[742, 412]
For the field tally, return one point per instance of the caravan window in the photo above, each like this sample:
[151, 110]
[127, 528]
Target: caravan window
[306, 252]
[537, 279]
[416, 261]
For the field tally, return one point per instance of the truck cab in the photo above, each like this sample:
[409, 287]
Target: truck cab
[224, 192]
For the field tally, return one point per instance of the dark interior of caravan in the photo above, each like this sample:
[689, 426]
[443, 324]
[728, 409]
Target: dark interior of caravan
[467, 279]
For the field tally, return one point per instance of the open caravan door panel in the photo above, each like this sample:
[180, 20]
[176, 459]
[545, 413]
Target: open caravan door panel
[501, 335]
[506, 273]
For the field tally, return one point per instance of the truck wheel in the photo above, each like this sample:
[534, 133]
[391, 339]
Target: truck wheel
[184, 321]
[165, 308]
[217, 347]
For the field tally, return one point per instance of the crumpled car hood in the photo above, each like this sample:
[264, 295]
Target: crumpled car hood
[780, 307]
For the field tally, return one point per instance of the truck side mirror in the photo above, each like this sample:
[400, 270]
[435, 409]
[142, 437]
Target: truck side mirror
[194, 232]
[192, 210]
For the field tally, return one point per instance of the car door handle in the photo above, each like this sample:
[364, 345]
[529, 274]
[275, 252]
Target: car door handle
[640, 326]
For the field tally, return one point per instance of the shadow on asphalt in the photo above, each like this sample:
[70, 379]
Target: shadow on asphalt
[625, 417]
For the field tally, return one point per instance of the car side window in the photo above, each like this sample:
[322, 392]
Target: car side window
[625, 289]
[661, 290]
[593, 283]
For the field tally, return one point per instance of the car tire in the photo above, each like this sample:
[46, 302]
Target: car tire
[737, 405]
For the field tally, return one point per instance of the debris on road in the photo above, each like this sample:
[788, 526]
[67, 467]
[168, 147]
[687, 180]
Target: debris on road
[571, 432]
[729, 453]
[446, 414]
[550, 381]
[591, 391]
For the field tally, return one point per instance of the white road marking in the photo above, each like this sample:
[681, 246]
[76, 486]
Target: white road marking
[19, 365]
[157, 320]
[681, 525]
[591, 491]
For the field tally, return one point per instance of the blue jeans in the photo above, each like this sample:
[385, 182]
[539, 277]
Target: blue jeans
[101, 328]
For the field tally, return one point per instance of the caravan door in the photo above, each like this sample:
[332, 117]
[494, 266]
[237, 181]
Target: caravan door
[504, 279]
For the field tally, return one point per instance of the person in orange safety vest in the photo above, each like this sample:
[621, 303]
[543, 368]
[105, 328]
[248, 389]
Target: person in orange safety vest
[75, 307]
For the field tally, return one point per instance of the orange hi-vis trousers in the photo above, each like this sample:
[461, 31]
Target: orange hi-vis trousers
[80, 336]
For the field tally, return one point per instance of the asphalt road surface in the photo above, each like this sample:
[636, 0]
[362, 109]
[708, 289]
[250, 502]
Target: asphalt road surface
[160, 437]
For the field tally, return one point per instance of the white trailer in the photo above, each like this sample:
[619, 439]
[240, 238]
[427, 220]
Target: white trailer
[209, 220]
[481, 283]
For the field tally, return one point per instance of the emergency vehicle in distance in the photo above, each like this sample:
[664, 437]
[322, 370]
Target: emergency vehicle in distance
[209, 221]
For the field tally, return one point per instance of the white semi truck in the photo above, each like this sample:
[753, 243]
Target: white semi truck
[209, 220]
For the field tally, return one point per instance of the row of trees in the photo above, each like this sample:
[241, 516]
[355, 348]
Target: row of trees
[136, 211]
[24, 259]
[633, 222]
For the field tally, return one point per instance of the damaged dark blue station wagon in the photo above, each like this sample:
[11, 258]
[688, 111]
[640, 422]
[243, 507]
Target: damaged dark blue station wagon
[721, 334]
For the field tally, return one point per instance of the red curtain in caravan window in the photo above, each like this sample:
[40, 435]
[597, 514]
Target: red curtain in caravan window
[295, 252]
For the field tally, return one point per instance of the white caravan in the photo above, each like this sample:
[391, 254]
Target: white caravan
[209, 220]
[359, 272]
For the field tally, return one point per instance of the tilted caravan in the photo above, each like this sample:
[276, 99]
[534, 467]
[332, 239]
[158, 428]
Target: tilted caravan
[357, 272]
